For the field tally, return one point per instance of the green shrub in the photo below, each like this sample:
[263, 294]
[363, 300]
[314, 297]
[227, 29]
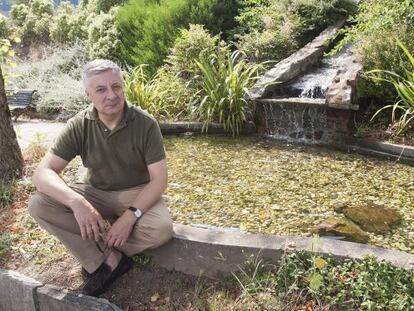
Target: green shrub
[33, 21]
[188, 46]
[100, 6]
[103, 37]
[4, 28]
[223, 83]
[148, 29]
[272, 30]
[68, 24]
[19, 13]
[57, 79]
[375, 28]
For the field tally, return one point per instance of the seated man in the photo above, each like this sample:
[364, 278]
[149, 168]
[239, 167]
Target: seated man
[118, 211]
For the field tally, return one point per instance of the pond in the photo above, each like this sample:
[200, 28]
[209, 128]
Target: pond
[260, 186]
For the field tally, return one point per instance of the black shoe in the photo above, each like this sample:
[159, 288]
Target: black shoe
[86, 275]
[99, 281]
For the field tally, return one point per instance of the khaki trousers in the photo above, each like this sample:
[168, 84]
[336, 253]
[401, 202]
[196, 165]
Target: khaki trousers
[152, 230]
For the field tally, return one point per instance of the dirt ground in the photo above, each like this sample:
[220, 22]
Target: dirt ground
[144, 287]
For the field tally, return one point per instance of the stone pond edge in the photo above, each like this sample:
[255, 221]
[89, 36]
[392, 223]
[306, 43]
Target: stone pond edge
[214, 253]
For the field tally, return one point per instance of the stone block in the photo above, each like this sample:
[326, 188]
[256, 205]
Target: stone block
[17, 291]
[53, 298]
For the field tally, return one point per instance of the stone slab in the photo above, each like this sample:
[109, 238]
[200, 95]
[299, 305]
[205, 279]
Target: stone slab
[17, 291]
[216, 253]
[296, 64]
[53, 298]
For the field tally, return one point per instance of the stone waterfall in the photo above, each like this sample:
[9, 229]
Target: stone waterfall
[307, 97]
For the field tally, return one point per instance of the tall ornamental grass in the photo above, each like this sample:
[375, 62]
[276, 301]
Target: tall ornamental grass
[224, 81]
[403, 108]
[163, 95]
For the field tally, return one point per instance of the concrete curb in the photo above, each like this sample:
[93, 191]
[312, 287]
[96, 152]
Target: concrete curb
[197, 127]
[21, 293]
[215, 253]
[399, 153]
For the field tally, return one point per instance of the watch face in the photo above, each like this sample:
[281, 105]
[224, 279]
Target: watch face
[138, 213]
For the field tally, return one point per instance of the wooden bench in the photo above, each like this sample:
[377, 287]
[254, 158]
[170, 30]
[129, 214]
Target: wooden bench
[20, 101]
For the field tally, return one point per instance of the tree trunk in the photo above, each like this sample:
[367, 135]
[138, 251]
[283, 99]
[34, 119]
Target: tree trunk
[11, 159]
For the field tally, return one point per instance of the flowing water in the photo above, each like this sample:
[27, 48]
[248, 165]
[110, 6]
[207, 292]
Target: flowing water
[315, 83]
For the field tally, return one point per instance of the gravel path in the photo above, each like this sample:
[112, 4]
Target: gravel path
[42, 131]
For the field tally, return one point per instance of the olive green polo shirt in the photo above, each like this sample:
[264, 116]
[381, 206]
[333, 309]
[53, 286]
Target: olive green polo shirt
[116, 159]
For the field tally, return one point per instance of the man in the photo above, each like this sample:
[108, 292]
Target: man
[118, 211]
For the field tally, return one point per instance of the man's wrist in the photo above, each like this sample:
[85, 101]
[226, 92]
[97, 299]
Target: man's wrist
[135, 211]
[76, 202]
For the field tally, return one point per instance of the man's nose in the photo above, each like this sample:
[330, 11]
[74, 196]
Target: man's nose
[110, 94]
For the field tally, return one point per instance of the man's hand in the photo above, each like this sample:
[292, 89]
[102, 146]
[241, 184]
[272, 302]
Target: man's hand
[90, 222]
[120, 230]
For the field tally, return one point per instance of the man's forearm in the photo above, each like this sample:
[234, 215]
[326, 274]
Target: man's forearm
[150, 195]
[49, 182]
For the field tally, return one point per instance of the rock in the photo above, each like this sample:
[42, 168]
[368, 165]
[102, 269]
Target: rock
[17, 291]
[372, 217]
[58, 299]
[342, 228]
[341, 93]
[296, 64]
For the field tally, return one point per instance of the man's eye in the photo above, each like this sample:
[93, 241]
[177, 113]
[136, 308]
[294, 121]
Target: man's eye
[100, 90]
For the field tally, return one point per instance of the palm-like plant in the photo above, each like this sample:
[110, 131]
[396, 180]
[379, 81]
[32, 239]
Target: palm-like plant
[144, 92]
[224, 80]
[403, 108]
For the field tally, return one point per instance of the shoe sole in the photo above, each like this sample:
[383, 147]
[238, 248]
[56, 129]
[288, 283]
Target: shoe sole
[124, 265]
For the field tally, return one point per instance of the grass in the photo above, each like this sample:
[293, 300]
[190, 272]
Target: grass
[6, 193]
[306, 280]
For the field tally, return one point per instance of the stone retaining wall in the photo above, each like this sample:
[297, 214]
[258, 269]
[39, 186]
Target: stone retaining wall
[21, 293]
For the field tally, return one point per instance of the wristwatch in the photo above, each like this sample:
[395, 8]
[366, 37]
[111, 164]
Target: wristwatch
[137, 212]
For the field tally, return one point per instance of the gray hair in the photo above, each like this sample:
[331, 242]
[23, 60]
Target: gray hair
[98, 66]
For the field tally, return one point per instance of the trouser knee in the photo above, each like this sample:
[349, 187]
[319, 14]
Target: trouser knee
[160, 234]
[36, 206]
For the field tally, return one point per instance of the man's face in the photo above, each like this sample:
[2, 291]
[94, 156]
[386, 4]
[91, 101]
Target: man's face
[106, 91]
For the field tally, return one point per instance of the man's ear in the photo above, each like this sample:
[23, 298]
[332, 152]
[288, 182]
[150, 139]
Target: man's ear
[87, 94]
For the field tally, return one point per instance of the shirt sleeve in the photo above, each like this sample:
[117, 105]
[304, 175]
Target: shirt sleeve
[154, 146]
[67, 143]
